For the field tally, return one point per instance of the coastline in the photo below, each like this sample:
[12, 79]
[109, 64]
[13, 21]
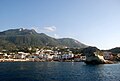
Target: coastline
[13, 60]
[27, 60]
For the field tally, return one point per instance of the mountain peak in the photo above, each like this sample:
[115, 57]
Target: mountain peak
[29, 37]
[27, 30]
[72, 43]
[20, 31]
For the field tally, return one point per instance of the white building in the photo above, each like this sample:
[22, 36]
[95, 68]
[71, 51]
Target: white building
[46, 54]
[21, 55]
[83, 58]
[67, 56]
[79, 58]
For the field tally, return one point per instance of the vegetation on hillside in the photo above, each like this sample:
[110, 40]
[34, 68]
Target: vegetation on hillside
[16, 38]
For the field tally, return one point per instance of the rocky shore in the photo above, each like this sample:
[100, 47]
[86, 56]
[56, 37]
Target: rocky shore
[94, 57]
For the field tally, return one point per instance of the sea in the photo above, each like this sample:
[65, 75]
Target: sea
[58, 71]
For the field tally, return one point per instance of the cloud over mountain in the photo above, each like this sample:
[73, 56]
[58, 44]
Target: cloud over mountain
[50, 28]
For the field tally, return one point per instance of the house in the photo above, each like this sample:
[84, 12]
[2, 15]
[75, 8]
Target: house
[33, 57]
[67, 56]
[1, 55]
[21, 55]
[39, 51]
[57, 57]
[78, 58]
[46, 55]
[83, 58]
[50, 57]
[5, 55]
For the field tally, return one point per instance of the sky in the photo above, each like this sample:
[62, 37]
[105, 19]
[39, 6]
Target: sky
[92, 22]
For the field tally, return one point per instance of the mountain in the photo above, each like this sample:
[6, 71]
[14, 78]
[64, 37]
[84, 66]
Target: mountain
[71, 43]
[26, 37]
[115, 50]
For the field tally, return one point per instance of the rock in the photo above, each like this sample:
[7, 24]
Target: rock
[93, 57]
[109, 62]
[94, 60]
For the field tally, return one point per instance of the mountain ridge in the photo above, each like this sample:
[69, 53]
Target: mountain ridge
[29, 37]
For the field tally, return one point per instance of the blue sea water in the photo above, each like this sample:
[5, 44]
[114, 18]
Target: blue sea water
[58, 71]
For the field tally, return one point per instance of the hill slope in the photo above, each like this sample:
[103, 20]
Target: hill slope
[26, 37]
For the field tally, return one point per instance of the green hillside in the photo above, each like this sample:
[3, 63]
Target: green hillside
[25, 37]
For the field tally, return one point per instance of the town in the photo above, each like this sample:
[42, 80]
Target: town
[41, 55]
[51, 54]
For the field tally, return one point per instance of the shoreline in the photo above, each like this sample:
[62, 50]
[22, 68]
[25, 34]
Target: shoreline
[13, 60]
[26, 60]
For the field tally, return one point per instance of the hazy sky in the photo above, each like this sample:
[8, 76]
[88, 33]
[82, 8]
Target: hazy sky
[92, 22]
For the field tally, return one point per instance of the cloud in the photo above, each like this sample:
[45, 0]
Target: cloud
[35, 28]
[56, 36]
[38, 29]
[46, 29]
[50, 28]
